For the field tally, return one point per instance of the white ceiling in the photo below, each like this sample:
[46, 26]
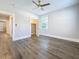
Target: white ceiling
[55, 5]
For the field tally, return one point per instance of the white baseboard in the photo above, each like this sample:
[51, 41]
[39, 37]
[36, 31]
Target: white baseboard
[59, 37]
[23, 37]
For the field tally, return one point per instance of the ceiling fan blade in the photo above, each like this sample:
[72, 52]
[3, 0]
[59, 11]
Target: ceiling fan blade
[45, 5]
[35, 3]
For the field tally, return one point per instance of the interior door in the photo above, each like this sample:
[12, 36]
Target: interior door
[33, 29]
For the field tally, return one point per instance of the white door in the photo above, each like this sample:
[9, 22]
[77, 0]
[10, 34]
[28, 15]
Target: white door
[2, 26]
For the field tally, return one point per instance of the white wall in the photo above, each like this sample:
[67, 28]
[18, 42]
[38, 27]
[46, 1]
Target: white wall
[21, 18]
[23, 21]
[63, 24]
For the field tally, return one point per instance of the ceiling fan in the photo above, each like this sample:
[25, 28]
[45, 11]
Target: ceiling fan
[40, 5]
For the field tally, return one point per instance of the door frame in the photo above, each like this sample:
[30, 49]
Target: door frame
[12, 19]
[37, 25]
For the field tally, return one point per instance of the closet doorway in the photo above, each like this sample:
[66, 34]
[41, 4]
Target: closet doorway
[34, 27]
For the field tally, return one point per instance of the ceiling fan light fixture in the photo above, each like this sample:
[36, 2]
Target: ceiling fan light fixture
[39, 5]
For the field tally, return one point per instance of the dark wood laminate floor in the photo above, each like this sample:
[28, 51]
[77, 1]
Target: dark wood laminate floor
[46, 48]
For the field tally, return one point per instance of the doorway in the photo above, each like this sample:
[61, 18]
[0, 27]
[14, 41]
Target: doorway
[6, 24]
[34, 27]
[33, 30]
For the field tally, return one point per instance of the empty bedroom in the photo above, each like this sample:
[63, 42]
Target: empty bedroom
[39, 29]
